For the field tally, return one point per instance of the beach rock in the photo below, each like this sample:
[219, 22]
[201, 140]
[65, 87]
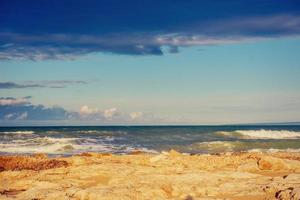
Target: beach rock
[40, 156]
[271, 163]
[293, 165]
[157, 158]
[35, 162]
[137, 152]
[167, 188]
[248, 167]
[288, 194]
[174, 153]
[170, 175]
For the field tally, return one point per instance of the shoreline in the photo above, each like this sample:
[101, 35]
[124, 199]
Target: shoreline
[139, 175]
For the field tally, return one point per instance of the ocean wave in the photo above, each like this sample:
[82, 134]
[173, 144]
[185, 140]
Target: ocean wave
[236, 146]
[10, 135]
[88, 131]
[102, 132]
[52, 132]
[261, 134]
[52, 145]
[38, 145]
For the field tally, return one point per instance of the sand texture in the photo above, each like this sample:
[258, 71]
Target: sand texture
[169, 175]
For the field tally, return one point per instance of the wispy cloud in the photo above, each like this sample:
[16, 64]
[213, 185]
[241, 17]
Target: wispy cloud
[40, 84]
[12, 85]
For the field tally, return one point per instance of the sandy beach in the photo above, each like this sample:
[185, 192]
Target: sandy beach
[168, 175]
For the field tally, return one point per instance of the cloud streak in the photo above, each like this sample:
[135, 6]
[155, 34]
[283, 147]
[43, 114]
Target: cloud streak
[39, 84]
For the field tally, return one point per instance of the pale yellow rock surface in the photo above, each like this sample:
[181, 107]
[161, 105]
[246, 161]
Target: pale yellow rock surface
[139, 176]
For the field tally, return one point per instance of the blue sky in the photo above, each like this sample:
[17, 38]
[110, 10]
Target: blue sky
[156, 62]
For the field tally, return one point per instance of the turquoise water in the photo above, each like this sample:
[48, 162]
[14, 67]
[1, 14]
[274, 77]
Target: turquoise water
[124, 139]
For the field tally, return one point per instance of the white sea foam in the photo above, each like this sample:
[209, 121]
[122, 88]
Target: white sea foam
[224, 146]
[18, 132]
[89, 131]
[215, 146]
[262, 134]
[273, 150]
[38, 145]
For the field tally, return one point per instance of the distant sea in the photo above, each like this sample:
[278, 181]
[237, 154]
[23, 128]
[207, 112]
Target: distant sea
[124, 139]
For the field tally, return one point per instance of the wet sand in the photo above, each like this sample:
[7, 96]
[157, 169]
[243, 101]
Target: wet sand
[169, 175]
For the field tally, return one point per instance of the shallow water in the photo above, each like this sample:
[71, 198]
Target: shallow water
[124, 139]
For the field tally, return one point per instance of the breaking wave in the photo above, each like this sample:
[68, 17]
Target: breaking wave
[9, 135]
[18, 132]
[261, 134]
[65, 146]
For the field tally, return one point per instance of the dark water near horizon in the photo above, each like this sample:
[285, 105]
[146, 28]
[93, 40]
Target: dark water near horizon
[124, 139]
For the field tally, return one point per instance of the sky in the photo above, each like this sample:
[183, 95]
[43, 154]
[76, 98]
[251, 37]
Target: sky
[149, 62]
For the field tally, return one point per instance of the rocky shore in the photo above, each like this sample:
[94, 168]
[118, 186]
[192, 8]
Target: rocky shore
[169, 175]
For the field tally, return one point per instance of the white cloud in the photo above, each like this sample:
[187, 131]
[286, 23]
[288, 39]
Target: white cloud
[136, 115]
[97, 114]
[113, 115]
[181, 40]
[13, 101]
[85, 110]
[110, 113]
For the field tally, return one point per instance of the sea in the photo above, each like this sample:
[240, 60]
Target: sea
[66, 141]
